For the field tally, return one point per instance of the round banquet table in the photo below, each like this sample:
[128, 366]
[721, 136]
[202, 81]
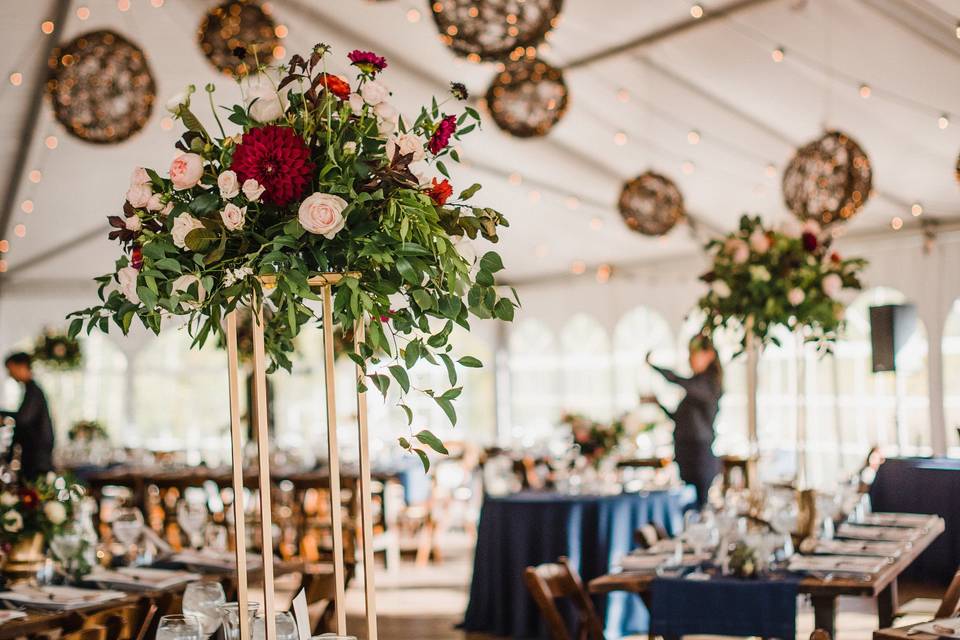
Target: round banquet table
[527, 529]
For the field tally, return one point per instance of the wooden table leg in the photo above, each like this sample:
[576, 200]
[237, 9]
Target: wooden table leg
[887, 604]
[825, 613]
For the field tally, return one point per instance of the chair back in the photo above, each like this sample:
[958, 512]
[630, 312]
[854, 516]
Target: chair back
[121, 623]
[646, 536]
[549, 582]
[88, 633]
[950, 605]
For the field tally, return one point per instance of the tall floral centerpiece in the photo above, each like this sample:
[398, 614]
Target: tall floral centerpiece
[763, 278]
[57, 350]
[318, 174]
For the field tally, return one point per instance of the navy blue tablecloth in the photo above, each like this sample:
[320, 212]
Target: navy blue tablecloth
[725, 606]
[924, 485]
[528, 529]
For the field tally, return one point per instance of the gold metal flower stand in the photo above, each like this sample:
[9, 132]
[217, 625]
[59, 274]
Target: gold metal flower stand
[323, 283]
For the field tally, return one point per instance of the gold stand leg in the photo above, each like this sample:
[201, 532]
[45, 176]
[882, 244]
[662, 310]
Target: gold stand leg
[236, 452]
[336, 514]
[366, 517]
[263, 454]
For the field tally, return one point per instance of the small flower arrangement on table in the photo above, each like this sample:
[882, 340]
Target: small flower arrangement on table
[43, 507]
[596, 440]
[87, 431]
[762, 278]
[322, 175]
[58, 350]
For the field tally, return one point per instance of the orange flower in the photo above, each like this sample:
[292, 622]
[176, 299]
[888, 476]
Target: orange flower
[335, 85]
[440, 191]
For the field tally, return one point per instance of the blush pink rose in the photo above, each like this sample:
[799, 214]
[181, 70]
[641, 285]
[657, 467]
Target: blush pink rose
[138, 195]
[139, 176]
[759, 242]
[832, 284]
[228, 184]
[322, 214]
[186, 171]
[233, 216]
[183, 225]
[252, 189]
[127, 277]
[796, 297]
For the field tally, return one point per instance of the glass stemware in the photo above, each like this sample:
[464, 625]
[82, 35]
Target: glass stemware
[230, 616]
[178, 627]
[192, 516]
[127, 527]
[286, 627]
[203, 600]
[67, 547]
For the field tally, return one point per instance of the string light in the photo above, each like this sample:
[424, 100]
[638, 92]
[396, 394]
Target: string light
[696, 11]
[541, 251]
[156, 3]
[281, 31]
[596, 224]
[604, 272]
[83, 13]
[27, 206]
[771, 170]
[4, 246]
[534, 196]
[693, 136]
[123, 5]
[572, 202]
[619, 138]
[896, 224]
[578, 267]
[777, 54]
[279, 52]
[515, 179]
[865, 91]
[916, 209]
[413, 15]
[51, 142]
[3, 266]
[35, 176]
[16, 78]
[46, 26]
[687, 167]
[166, 123]
[20, 230]
[623, 95]
[943, 121]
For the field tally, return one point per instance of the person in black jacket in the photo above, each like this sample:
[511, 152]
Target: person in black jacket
[33, 431]
[693, 418]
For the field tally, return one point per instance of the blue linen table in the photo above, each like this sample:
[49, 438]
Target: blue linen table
[528, 529]
[924, 485]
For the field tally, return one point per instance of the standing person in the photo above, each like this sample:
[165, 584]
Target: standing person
[33, 431]
[694, 433]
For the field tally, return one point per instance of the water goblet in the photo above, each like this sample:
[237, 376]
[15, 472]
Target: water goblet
[202, 600]
[178, 627]
[192, 516]
[230, 617]
[285, 624]
[127, 527]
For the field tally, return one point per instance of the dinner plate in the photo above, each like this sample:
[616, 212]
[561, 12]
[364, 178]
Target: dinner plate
[57, 598]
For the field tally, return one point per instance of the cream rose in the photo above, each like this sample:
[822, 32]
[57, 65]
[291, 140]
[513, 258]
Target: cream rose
[183, 283]
[374, 92]
[127, 277]
[796, 297]
[265, 103]
[55, 511]
[252, 189]
[132, 223]
[322, 214]
[12, 522]
[138, 195]
[155, 203]
[832, 284]
[139, 176]
[405, 144]
[356, 103]
[186, 171]
[8, 499]
[721, 288]
[166, 210]
[182, 225]
[759, 242]
[349, 148]
[233, 216]
[228, 184]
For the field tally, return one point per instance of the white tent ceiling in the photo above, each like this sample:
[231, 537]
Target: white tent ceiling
[717, 77]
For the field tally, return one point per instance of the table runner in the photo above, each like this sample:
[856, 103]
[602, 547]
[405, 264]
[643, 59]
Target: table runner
[724, 606]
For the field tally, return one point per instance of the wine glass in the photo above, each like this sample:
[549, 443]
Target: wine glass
[230, 616]
[192, 516]
[286, 627]
[178, 627]
[127, 527]
[67, 544]
[202, 600]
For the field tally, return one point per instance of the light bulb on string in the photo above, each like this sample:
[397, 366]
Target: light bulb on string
[623, 95]
[515, 179]
[778, 54]
[619, 138]
[47, 27]
[865, 91]
[3, 266]
[4, 246]
[35, 176]
[541, 250]
[413, 16]
[916, 209]
[943, 121]
[897, 223]
[20, 230]
[572, 202]
[16, 78]
[696, 11]
[596, 224]
[693, 136]
[687, 167]
[578, 267]
[770, 170]
[83, 13]
[51, 142]
[26, 206]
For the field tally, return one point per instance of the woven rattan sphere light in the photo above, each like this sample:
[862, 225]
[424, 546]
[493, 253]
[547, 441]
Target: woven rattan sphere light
[651, 204]
[527, 98]
[828, 180]
[101, 87]
[491, 30]
[238, 26]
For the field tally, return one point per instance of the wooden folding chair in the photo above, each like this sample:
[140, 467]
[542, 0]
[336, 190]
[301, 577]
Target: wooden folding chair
[121, 623]
[88, 633]
[950, 605]
[551, 581]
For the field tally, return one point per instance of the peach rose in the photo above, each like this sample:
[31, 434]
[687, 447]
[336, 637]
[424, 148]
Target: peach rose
[155, 203]
[405, 144]
[252, 189]
[322, 214]
[233, 216]
[138, 195]
[186, 171]
[228, 184]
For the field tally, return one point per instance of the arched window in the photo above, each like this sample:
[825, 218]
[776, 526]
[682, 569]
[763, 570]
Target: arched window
[951, 378]
[535, 385]
[638, 333]
[587, 374]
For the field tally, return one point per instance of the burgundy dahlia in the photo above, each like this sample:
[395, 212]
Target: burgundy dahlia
[810, 241]
[367, 61]
[136, 258]
[441, 137]
[276, 158]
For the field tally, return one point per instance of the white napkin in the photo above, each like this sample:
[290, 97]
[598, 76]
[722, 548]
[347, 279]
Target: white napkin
[215, 559]
[142, 577]
[852, 564]
[6, 615]
[944, 627]
[56, 597]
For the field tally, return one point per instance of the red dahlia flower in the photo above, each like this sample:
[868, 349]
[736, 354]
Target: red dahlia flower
[441, 137]
[335, 85]
[276, 158]
[367, 61]
[29, 498]
[810, 241]
[440, 191]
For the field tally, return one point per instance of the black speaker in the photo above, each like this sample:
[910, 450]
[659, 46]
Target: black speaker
[891, 326]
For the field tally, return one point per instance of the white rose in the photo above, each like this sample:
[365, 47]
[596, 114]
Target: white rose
[183, 283]
[721, 288]
[154, 203]
[127, 277]
[465, 248]
[387, 112]
[132, 223]
[228, 184]
[182, 98]
[405, 144]
[374, 92]
[233, 216]
[386, 127]
[356, 103]
[796, 297]
[759, 242]
[55, 511]
[182, 225]
[349, 148]
[266, 104]
[322, 214]
[832, 284]
[252, 190]
[8, 499]
[12, 522]
[139, 176]
[138, 195]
